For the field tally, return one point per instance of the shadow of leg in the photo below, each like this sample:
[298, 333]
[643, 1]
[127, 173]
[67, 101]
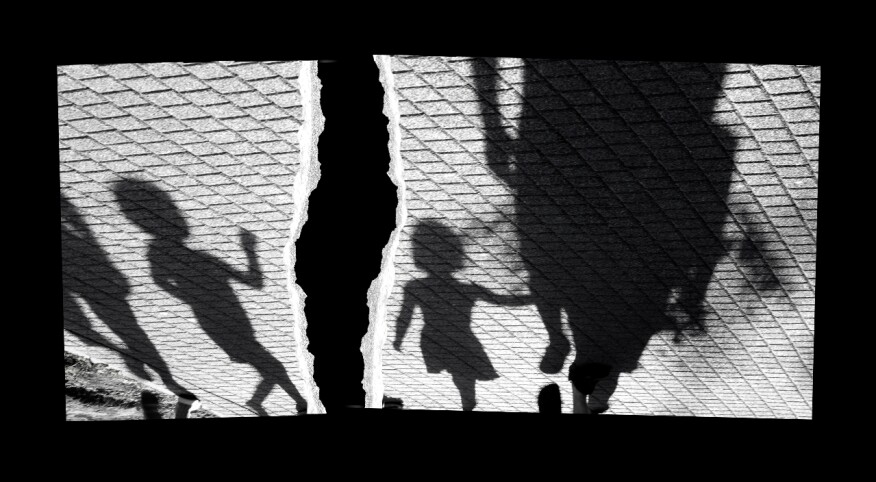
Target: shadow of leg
[559, 347]
[466, 387]
[274, 373]
[149, 404]
[258, 397]
[300, 403]
[598, 400]
[549, 400]
[77, 323]
[117, 315]
[584, 377]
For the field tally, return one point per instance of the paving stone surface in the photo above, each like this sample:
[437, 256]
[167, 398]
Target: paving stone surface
[157, 270]
[661, 215]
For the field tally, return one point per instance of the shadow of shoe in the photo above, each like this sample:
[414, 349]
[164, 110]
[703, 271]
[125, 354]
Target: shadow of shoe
[185, 404]
[555, 356]
[257, 408]
[149, 403]
[585, 375]
[549, 400]
[596, 410]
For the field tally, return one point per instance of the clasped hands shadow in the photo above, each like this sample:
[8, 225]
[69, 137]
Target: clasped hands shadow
[447, 341]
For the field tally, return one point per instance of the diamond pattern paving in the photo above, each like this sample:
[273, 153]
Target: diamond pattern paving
[661, 215]
[176, 266]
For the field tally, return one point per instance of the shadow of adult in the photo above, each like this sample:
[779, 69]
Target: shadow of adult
[620, 183]
[447, 341]
[87, 273]
[203, 281]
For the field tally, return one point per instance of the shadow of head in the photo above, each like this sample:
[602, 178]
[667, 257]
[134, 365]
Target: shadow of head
[150, 208]
[437, 248]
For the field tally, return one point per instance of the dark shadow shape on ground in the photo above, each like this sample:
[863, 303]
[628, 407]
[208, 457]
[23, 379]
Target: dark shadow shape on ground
[150, 405]
[447, 341]
[203, 281]
[549, 400]
[620, 182]
[87, 273]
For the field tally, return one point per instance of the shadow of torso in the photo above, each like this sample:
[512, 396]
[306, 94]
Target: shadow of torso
[620, 180]
[447, 340]
[203, 282]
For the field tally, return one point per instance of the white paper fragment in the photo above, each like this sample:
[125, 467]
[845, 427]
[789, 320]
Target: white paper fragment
[381, 287]
[305, 182]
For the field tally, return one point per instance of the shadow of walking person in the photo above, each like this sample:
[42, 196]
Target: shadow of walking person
[620, 183]
[203, 281]
[447, 341]
[88, 274]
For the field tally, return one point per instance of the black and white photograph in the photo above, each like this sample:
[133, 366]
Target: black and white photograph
[401, 234]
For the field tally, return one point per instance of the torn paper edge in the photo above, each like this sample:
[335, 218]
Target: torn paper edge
[305, 182]
[381, 287]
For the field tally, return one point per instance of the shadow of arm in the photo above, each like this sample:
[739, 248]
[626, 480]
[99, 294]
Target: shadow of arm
[403, 321]
[164, 282]
[497, 299]
[253, 277]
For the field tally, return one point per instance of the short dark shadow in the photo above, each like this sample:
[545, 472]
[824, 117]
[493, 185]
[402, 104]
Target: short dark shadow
[756, 261]
[620, 180]
[88, 273]
[203, 281]
[392, 403]
[447, 341]
[549, 400]
[149, 403]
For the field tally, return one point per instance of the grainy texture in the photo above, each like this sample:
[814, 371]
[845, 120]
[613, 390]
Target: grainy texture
[751, 356]
[220, 141]
[543, 175]
[96, 392]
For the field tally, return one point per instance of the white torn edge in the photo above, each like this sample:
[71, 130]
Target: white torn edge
[381, 287]
[305, 181]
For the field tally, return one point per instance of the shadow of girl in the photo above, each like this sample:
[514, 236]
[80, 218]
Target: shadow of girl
[203, 281]
[447, 341]
[83, 261]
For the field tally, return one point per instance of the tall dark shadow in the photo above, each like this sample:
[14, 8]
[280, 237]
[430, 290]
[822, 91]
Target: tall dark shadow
[203, 281]
[447, 341]
[88, 273]
[621, 181]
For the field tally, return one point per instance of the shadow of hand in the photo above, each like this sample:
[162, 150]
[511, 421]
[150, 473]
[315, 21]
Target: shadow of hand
[247, 240]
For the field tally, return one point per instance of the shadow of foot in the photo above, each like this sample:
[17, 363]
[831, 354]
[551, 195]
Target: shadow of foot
[392, 403]
[585, 375]
[257, 408]
[149, 403]
[549, 400]
[555, 355]
[597, 409]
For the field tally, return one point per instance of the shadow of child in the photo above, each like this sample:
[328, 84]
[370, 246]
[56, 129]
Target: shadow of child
[204, 282]
[84, 260]
[447, 341]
